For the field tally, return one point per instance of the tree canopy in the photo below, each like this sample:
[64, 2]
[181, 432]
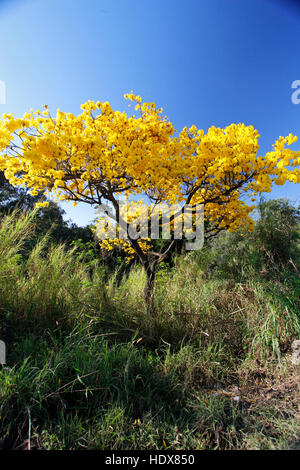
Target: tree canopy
[101, 154]
[93, 157]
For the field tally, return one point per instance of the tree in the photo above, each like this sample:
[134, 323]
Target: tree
[277, 232]
[14, 197]
[101, 154]
[270, 251]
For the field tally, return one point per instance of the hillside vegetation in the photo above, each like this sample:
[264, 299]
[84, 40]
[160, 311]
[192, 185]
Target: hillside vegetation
[210, 368]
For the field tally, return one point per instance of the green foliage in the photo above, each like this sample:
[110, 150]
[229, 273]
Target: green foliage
[85, 392]
[48, 286]
[15, 197]
[89, 370]
[277, 231]
[271, 251]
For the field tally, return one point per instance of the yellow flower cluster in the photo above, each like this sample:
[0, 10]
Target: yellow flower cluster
[130, 212]
[129, 251]
[102, 153]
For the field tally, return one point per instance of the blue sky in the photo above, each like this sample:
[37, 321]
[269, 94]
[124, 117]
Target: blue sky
[206, 62]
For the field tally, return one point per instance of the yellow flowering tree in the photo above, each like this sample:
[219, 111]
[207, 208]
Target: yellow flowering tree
[103, 154]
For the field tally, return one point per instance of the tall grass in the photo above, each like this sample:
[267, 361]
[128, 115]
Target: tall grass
[52, 288]
[48, 287]
[245, 318]
[87, 368]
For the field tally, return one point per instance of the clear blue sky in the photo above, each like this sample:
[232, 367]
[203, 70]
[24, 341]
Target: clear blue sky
[206, 62]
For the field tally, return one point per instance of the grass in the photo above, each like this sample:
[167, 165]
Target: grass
[87, 369]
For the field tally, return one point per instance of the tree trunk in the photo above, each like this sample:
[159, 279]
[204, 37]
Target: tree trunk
[148, 290]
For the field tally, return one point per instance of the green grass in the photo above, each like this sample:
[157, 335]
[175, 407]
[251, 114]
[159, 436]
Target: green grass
[85, 392]
[88, 369]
